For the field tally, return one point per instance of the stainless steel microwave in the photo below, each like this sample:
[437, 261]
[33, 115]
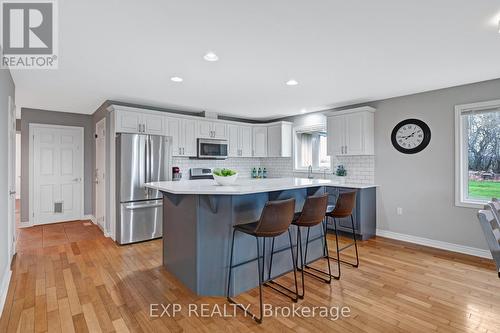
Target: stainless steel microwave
[212, 149]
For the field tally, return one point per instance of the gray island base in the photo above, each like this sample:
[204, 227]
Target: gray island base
[197, 231]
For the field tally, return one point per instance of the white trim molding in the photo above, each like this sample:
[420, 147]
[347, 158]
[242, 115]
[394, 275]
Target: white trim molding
[4, 286]
[473, 251]
[461, 146]
[90, 217]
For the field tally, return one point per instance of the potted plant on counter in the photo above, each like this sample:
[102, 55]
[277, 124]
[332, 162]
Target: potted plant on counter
[224, 176]
[341, 174]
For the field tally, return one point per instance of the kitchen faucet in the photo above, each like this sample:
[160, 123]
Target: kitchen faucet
[309, 172]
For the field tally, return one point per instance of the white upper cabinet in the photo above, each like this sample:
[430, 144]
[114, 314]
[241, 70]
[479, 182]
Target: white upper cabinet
[279, 140]
[183, 133]
[211, 130]
[246, 141]
[219, 130]
[153, 124]
[188, 136]
[259, 141]
[138, 122]
[240, 140]
[173, 129]
[233, 141]
[351, 132]
[204, 129]
[128, 122]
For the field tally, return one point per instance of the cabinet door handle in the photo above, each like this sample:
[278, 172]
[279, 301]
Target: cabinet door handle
[183, 151]
[346, 149]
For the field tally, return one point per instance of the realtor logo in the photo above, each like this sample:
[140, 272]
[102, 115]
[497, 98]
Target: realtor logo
[29, 34]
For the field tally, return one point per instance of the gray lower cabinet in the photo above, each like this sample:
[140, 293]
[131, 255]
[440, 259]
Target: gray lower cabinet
[365, 213]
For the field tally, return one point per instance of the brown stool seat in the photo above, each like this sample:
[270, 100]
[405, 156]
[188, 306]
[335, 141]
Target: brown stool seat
[313, 212]
[247, 228]
[344, 206]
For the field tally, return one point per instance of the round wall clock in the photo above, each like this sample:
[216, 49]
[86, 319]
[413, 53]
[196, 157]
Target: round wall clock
[411, 136]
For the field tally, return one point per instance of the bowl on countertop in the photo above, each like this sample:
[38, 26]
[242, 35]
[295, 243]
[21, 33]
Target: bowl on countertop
[225, 180]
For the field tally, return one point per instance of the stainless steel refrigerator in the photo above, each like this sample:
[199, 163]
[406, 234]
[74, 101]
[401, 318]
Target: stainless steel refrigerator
[140, 159]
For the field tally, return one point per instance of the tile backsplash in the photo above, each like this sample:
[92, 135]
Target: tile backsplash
[360, 169]
[242, 165]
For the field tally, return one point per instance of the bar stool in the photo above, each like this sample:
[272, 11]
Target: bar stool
[275, 220]
[313, 213]
[344, 206]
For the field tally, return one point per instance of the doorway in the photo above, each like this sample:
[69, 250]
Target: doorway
[11, 229]
[56, 173]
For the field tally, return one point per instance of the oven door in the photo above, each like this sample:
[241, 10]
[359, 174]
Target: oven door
[213, 149]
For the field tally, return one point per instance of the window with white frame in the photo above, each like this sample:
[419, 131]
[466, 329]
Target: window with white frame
[477, 153]
[310, 148]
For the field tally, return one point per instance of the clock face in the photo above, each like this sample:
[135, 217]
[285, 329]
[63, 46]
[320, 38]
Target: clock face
[411, 136]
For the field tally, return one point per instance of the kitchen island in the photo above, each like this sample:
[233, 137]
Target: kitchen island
[198, 219]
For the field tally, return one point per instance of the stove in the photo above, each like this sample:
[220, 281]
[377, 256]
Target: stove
[200, 173]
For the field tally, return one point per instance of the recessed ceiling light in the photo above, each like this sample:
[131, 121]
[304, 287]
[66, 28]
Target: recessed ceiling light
[292, 82]
[176, 79]
[210, 56]
[303, 110]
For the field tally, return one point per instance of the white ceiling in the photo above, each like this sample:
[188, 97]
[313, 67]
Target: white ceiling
[341, 52]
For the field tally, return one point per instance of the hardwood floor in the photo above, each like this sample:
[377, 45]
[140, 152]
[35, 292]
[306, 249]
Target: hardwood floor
[88, 283]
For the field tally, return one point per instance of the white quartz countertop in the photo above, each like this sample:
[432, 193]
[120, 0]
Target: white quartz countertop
[246, 185]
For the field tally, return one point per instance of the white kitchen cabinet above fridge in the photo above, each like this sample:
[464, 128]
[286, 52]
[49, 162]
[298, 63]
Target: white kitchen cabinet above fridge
[135, 122]
[351, 132]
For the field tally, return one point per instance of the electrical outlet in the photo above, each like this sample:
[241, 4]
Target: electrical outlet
[399, 211]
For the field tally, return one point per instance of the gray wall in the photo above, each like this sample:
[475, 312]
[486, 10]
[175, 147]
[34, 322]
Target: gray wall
[29, 116]
[6, 89]
[423, 184]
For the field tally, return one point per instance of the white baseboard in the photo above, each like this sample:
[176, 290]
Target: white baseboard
[25, 224]
[4, 287]
[473, 251]
[90, 217]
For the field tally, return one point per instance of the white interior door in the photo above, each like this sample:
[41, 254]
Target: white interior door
[57, 182]
[100, 179]
[11, 238]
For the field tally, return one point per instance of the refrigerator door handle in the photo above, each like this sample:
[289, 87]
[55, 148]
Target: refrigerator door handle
[151, 205]
[151, 161]
[147, 162]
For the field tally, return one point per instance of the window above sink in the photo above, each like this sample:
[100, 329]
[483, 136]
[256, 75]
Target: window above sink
[310, 148]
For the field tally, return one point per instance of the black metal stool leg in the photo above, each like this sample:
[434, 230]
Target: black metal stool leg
[354, 243]
[299, 253]
[261, 274]
[327, 257]
[270, 283]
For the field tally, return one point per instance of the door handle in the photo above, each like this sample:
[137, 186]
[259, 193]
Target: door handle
[143, 206]
[76, 179]
[12, 192]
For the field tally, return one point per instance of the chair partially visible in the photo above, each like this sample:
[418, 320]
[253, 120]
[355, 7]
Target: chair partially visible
[491, 230]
